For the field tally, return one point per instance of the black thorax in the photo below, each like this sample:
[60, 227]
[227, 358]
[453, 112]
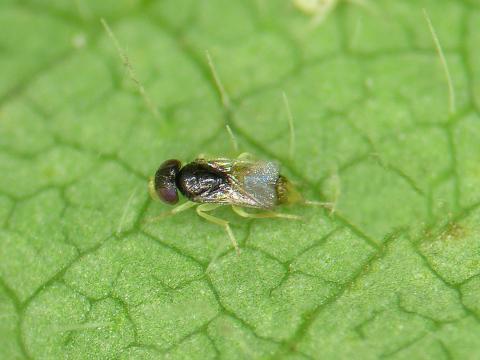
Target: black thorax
[198, 179]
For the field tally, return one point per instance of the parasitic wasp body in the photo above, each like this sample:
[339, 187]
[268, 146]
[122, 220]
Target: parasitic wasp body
[241, 183]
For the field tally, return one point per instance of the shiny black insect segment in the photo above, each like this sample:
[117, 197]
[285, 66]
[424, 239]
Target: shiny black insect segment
[197, 180]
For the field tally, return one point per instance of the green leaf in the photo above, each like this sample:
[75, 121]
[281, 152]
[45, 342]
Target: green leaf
[392, 272]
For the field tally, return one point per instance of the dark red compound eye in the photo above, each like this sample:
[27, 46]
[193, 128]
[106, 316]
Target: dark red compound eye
[165, 186]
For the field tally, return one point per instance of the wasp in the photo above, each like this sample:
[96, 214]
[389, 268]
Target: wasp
[241, 183]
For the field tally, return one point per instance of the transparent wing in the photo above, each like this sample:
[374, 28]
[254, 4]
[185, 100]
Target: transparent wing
[260, 180]
[251, 183]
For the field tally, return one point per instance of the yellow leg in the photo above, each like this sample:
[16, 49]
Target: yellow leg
[185, 206]
[201, 211]
[245, 156]
[267, 214]
[182, 207]
[151, 188]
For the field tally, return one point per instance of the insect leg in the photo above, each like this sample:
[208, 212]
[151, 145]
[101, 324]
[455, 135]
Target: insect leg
[245, 156]
[201, 211]
[327, 205]
[185, 206]
[267, 214]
